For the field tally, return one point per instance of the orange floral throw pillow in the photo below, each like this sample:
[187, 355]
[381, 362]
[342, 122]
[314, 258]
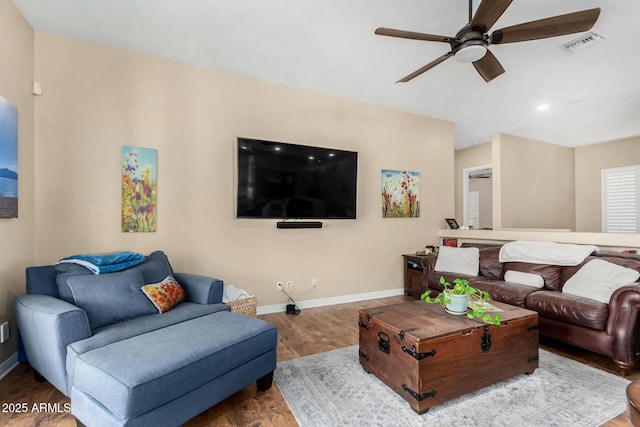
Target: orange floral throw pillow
[165, 294]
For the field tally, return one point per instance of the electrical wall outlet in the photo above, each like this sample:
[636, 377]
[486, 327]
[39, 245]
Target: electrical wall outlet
[4, 332]
[279, 286]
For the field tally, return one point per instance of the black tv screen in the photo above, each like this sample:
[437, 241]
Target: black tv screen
[290, 181]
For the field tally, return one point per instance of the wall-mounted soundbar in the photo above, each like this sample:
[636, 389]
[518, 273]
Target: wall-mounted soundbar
[299, 224]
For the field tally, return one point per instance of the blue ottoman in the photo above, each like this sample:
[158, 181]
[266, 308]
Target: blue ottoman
[167, 376]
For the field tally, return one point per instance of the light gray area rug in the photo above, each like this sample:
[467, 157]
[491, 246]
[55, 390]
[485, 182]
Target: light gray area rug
[332, 389]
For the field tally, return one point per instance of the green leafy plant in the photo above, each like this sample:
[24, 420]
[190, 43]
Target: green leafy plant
[477, 298]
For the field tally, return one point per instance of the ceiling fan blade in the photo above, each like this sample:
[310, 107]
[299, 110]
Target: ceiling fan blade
[412, 35]
[488, 67]
[425, 68]
[488, 13]
[560, 25]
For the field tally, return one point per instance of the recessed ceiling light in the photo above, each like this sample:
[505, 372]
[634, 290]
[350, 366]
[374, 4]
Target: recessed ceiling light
[542, 107]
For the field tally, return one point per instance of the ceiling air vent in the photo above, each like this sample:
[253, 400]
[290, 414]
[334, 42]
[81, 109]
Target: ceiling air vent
[582, 42]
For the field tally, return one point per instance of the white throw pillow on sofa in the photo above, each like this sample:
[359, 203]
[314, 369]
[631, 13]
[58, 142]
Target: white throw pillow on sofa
[523, 278]
[598, 279]
[458, 260]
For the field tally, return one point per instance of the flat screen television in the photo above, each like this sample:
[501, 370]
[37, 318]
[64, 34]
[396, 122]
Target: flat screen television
[290, 181]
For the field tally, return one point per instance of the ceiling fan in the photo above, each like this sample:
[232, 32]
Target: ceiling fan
[473, 40]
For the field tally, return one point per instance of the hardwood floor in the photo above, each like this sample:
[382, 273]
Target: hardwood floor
[313, 331]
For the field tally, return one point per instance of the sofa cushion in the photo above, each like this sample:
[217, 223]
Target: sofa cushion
[522, 278]
[133, 376]
[567, 308]
[598, 279]
[154, 269]
[490, 265]
[550, 273]
[110, 298]
[164, 295]
[65, 271]
[124, 330]
[458, 260]
[631, 261]
[141, 325]
[509, 293]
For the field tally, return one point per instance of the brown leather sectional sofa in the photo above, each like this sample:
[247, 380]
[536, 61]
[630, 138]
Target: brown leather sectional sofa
[610, 329]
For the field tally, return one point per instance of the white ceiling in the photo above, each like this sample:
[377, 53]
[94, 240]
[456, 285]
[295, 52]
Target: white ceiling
[329, 46]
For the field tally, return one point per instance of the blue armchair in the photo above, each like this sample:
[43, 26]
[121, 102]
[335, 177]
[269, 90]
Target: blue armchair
[102, 342]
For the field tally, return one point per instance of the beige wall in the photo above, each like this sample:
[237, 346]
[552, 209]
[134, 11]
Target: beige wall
[536, 183]
[523, 158]
[590, 160]
[17, 234]
[97, 99]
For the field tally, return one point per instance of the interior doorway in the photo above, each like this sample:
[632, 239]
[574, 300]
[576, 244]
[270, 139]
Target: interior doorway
[477, 197]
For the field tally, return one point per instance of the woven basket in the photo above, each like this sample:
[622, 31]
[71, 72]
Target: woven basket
[246, 306]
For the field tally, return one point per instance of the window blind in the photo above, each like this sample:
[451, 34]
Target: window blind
[474, 209]
[620, 200]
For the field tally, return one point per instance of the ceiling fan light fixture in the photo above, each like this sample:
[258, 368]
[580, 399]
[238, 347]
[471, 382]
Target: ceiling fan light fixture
[470, 53]
[471, 42]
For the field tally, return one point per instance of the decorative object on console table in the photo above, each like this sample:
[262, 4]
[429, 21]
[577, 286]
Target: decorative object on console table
[450, 242]
[428, 250]
[452, 223]
[413, 274]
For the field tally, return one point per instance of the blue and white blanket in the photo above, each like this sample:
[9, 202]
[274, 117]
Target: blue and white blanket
[105, 262]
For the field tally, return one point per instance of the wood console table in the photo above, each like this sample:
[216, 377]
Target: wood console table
[413, 274]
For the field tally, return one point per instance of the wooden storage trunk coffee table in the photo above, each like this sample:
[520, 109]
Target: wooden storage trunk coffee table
[428, 356]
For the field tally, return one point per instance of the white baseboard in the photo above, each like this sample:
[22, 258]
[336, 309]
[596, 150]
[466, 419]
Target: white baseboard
[8, 365]
[279, 308]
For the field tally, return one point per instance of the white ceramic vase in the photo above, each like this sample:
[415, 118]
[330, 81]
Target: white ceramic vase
[458, 304]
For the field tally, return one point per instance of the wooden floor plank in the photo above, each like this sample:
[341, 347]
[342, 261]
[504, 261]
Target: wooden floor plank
[313, 331]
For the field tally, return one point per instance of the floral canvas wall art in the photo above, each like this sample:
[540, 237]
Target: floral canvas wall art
[400, 194]
[139, 195]
[8, 159]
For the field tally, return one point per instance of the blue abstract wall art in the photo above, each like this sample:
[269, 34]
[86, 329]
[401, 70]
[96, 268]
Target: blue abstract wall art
[8, 159]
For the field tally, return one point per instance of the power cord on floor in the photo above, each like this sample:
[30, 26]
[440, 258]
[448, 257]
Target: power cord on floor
[292, 308]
